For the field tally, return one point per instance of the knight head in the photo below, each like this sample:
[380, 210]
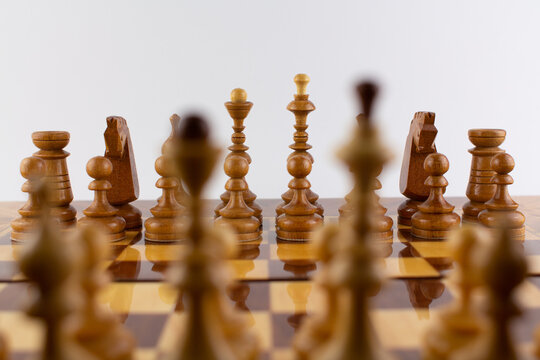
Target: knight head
[116, 136]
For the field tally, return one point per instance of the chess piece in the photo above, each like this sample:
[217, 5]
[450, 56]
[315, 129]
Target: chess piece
[301, 106]
[435, 217]
[458, 325]
[212, 328]
[51, 145]
[238, 109]
[300, 218]
[123, 179]
[503, 269]
[480, 189]
[25, 226]
[101, 213]
[4, 348]
[355, 274]
[180, 193]
[501, 207]
[420, 143]
[382, 226]
[236, 214]
[165, 225]
[98, 330]
[51, 263]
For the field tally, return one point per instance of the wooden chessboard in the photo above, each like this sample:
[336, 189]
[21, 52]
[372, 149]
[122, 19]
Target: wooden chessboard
[274, 287]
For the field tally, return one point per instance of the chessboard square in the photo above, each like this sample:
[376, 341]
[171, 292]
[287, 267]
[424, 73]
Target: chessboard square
[282, 354]
[133, 297]
[152, 252]
[408, 267]
[145, 354]
[528, 294]
[287, 251]
[23, 333]
[283, 329]
[431, 249]
[13, 296]
[400, 328]
[10, 253]
[146, 328]
[533, 264]
[249, 269]
[295, 297]
[261, 325]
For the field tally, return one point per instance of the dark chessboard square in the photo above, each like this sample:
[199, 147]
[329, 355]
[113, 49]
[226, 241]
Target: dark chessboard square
[13, 296]
[419, 293]
[146, 328]
[283, 328]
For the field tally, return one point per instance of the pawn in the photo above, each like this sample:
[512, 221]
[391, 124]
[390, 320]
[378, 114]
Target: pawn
[236, 214]
[300, 217]
[164, 225]
[97, 330]
[24, 227]
[101, 212]
[382, 224]
[435, 217]
[180, 193]
[501, 207]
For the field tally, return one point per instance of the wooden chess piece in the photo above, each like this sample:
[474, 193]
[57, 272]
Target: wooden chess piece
[382, 226]
[97, 330]
[51, 145]
[435, 217]
[238, 109]
[165, 224]
[101, 213]
[420, 143]
[300, 218]
[212, 329]
[123, 179]
[501, 207]
[301, 106]
[480, 188]
[51, 263]
[4, 348]
[180, 193]
[237, 214]
[458, 325]
[25, 226]
[355, 274]
[503, 269]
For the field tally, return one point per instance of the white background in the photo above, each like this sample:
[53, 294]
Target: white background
[67, 65]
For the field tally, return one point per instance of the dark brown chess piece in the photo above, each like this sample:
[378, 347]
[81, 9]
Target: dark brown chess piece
[165, 225]
[301, 106]
[238, 109]
[25, 226]
[237, 214]
[480, 188]
[501, 208]
[420, 143]
[435, 217]
[124, 180]
[101, 213]
[300, 218]
[180, 193]
[51, 144]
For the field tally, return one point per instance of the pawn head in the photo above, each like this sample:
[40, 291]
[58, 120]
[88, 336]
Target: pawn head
[299, 166]
[366, 92]
[436, 164]
[502, 163]
[301, 81]
[194, 127]
[164, 166]
[99, 167]
[32, 168]
[238, 95]
[236, 166]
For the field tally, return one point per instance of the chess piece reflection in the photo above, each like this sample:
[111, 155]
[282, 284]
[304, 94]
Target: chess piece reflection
[25, 226]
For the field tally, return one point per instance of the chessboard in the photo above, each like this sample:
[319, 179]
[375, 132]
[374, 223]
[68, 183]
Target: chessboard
[274, 285]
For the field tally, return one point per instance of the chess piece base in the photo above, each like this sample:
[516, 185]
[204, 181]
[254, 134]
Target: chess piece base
[433, 226]
[131, 215]
[66, 215]
[164, 230]
[244, 229]
[114, 226]
[406, 210]
[471, 209]
[23, 229]
[297, 228]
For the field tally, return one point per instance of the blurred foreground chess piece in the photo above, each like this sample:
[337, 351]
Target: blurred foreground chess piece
[51, 145]
[301, 106]
[238, 109]
[459, 324]
[25, 227]
[166, 225]
[101, 213]
[420, 143]
[236, 214]
[4, 348]
[51, 264]
[123, 179]
[501, 207]
[503, 269]
[352, 271]
[212, 328]
[97, 329]
[480, 188]
[435, 217]
[180, 193]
